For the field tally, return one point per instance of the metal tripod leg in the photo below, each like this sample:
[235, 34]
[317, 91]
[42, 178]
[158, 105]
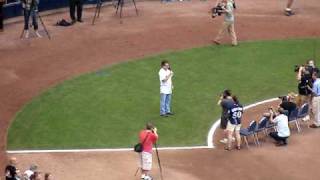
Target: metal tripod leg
[43, 25]
[134, 3]
[119, 1]
[97, 12]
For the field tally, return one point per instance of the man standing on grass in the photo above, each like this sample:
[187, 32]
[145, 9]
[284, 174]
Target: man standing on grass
[228, 24]
[315, 100]
[165, 76]
[147, 137]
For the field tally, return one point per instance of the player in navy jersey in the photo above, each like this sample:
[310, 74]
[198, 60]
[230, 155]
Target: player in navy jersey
[234, 124]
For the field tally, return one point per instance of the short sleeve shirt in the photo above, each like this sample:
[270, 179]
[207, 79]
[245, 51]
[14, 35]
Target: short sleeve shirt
[282, 125]
[12, 172]
[226, 104]
[229, 16]
[165, 87]
[235, 114]
[149, 139]
[316, 87]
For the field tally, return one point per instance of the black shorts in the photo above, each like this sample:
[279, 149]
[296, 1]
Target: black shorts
[223, 123]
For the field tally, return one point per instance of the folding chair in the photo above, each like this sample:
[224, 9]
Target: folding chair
[293, 118]
[250, 131]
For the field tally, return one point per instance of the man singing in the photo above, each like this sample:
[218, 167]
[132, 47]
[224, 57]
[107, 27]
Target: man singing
[165, 76]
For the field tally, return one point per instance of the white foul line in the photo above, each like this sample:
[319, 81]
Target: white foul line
[217, 123]
[209, 141]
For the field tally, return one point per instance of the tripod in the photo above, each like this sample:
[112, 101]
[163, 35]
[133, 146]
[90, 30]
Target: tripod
[97, 12]
[159, 163]
[43, 25]
[121, 3]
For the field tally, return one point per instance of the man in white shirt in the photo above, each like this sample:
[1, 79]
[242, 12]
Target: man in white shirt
[282, 126]
[165, 76]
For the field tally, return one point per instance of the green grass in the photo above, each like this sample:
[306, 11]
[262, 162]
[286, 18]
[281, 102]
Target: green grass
[107, 108]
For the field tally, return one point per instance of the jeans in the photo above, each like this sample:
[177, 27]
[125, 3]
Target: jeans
[165, 101]
[27, 14]
[73, 4]
[279, 139]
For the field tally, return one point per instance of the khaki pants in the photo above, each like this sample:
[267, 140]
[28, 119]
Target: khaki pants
[227, 27]
[316, 110]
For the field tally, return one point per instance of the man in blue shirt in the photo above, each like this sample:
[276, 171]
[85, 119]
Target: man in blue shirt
[315, 100]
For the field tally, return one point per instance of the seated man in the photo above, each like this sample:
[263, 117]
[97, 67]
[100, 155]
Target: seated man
[287, 103]
[282, 126]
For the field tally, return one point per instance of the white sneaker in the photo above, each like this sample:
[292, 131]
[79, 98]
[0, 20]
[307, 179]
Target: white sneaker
[26, 34]
[38, 34]
[224, 141]
[307, 118]
[147, 178]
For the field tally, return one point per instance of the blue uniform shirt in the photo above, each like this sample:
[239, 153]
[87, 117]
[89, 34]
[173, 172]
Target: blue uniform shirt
[235, 114]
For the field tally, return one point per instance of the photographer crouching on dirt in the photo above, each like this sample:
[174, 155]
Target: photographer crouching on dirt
[280, 118]
[225, 7]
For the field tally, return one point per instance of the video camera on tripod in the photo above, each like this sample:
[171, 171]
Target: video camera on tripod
[220, 7]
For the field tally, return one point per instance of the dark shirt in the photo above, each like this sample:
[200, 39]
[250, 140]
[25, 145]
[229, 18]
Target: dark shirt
[235, 114]
[303, 86]
[12, 172]
[226, 104]
[289, 106]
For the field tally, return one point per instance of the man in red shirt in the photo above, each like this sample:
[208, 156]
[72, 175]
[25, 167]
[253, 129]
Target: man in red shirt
[147, 138]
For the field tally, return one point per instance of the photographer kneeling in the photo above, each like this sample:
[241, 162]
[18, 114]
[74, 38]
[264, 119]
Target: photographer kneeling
[282, 126]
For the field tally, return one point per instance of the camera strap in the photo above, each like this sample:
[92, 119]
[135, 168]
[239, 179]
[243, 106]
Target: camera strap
[145, 138]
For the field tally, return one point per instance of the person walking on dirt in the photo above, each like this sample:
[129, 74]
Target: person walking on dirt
[165, 76]
[72, 5]
[228, 24]
[288, 10]
[147, 137]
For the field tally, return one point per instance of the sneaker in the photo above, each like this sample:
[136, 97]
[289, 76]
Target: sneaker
[224, 141]
[216, 42]
[147, 178]
[233, 139]
[307, 118]
[170, 113]
[314, 126]
[38, 34]
[288, 13]
[26, 34]
[164, 115]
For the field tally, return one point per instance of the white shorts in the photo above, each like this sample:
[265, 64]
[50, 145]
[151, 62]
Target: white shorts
[146, 161]
[233, 127]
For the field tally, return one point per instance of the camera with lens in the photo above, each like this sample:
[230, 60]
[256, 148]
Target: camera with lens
[217, 11]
